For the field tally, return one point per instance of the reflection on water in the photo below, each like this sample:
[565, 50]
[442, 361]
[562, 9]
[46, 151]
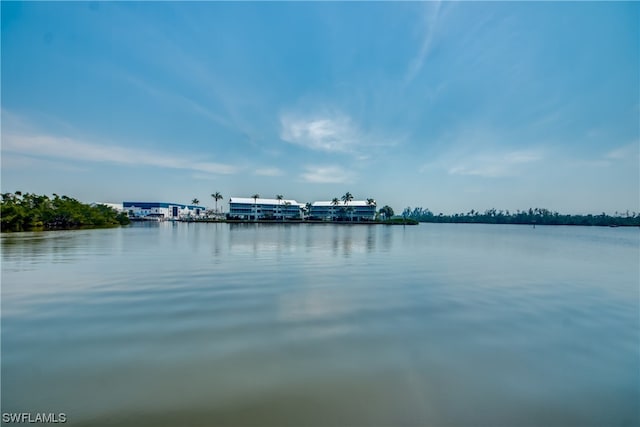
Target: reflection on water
[28, 249]
[253, 324]
[281, 237]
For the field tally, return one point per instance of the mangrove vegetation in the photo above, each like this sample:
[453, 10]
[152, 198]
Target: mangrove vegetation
[531, 216]
[23, 212]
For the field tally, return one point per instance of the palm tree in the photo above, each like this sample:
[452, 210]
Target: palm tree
[334, 202]
[255, 198]
[308, 209]
[346, 199]
[279, 198]
[372, 202]
[216, 196]
[286, 206]
[194, 201]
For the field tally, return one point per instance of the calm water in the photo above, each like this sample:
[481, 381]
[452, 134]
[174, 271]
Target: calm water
[323, 325]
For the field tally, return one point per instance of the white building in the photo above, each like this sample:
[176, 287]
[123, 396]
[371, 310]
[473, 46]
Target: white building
[162, 211]
[355, 210]
[254, 209]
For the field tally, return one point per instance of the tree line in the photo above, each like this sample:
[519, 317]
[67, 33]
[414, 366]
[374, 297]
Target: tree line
[530, 216]
[22, 212]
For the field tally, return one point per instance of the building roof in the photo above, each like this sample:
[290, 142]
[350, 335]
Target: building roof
[259, 201]
[149, 205]
[341, 203]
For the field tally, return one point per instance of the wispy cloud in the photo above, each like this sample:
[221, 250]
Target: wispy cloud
[202, 88]
[494, 165]
[478, 150]
[269, 172]
[629, 151]
[431, 26]
[326, 132]
[333, 132]
[21, 162]
[175, 99]
[73, 149]
[327, 175]
[491, 164]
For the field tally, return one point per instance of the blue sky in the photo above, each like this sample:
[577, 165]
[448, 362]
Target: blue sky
[448, 106]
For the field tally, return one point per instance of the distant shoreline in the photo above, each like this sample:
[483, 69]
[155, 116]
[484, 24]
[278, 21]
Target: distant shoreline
[32, 212]
[262, 222]
[396, 221]
[275, 222]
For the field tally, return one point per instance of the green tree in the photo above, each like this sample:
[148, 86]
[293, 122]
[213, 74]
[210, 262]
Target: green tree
[279, 198]
[255, 198]
[308, 208]
[386, 211]
[286, 207]
[216, 196]
[346, 199]
[27, 211]
[372, 202]
[195, 201]
[335, 202]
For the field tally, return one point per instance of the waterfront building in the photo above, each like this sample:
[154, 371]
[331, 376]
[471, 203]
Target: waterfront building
[255, 209]
[162, 211]
[355, 210]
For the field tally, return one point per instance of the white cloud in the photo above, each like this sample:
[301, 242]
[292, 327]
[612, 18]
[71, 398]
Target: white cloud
[493, 165]
[20, 162]
[327, 175]
[328, 132]
[629, 151]
[431, 26]
[73, 149]
[490, 164]
[333, 133]
[483, 152]
[269, 172]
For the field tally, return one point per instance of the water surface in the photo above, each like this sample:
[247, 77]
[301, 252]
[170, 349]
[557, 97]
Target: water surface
[323, 325]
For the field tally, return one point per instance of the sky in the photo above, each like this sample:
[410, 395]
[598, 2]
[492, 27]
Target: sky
[449, 106]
